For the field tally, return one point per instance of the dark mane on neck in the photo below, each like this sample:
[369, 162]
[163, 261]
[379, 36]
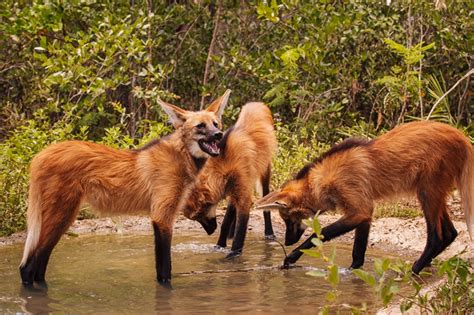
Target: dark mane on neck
[225, 138]
[340, 147]
[199, 162]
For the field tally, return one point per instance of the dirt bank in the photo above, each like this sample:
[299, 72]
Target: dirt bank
[396, 234]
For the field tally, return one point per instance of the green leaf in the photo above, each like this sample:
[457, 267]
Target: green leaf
[291, 56]
[307, 222]
[316, 273]
[386, 264]
[429, 46]
[365, 276]
[324, 311]
[333, 275]
[311, 252]
[378, 266]
[317, 242]
[72, 234]
[387, 291]
[316, 226]
[332, 256]
[396, 47]
[381, 265]
[406, 305]
[331, 296]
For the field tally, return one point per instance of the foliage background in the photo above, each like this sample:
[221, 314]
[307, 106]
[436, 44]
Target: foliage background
[90, 69]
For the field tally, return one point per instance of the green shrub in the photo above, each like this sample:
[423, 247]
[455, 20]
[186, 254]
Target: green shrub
[317, 64]
[295, 149]
[327, 70]
[15, 156]
[455, 295]
[17, 152]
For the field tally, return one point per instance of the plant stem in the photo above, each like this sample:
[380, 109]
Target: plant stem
[469, 73]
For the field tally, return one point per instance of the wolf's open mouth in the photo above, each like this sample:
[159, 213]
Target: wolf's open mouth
[210, 147]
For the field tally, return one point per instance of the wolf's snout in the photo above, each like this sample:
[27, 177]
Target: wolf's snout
[209, 225]
[210, 144]
[217, 135]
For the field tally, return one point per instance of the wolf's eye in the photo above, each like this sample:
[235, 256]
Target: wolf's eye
[215, 124]
[201, 125]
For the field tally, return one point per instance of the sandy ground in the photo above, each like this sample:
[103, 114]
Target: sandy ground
[392, 234]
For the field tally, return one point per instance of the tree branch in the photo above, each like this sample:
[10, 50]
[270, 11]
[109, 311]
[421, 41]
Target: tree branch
[211, 49]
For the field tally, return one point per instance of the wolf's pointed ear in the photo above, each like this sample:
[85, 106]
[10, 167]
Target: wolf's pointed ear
[177, 115]
[219, 104]
[273, 201]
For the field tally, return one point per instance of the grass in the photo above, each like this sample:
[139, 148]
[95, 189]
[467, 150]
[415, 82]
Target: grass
[86, 213]
[401, 209]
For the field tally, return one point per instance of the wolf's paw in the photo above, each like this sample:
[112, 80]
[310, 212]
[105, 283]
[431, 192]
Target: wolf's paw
[233, 254]
[270, 237]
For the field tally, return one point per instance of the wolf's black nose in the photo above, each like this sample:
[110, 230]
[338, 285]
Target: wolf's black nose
[218, 135]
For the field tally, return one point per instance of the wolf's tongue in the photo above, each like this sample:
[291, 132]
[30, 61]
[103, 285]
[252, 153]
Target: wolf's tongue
[213, 147]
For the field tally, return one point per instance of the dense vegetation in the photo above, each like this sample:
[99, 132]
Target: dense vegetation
[90, 69]
[393, 279]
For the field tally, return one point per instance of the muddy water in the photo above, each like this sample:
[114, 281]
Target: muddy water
[115, 274]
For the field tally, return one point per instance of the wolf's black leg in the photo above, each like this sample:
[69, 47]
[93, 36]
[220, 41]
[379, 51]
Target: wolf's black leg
[229, 217]
[240, 233]
[28, 271]
[269, 234]
[162, 254]
[360, 244]
[341, 226]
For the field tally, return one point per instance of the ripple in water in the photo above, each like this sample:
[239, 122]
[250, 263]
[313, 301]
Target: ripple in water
[197, 248]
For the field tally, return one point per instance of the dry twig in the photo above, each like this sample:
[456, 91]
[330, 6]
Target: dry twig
[469, 73]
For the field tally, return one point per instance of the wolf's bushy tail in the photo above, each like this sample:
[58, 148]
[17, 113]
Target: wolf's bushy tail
[34, 218]
[466, 187]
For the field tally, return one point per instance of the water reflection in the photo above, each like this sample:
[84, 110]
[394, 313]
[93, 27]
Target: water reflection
[163, 299]
[36, 300]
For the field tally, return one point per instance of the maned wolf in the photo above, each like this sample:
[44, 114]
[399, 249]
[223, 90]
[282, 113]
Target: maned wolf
[151, 180]
[423, 158]
[247, 151]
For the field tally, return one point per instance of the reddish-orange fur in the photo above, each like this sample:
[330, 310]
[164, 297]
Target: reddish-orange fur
[426, 159]
[150, 180]
[244, 162]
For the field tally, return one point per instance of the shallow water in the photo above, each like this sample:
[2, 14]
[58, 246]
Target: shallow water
[116, 274]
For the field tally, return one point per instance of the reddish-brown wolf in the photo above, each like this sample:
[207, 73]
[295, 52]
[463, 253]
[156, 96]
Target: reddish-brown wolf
[151, 179]
[247, 149]
[426, 159]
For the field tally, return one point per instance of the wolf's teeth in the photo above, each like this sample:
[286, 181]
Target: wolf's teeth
[211, 147]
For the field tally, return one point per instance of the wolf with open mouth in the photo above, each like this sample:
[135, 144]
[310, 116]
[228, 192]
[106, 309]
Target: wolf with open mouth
[151, 180]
